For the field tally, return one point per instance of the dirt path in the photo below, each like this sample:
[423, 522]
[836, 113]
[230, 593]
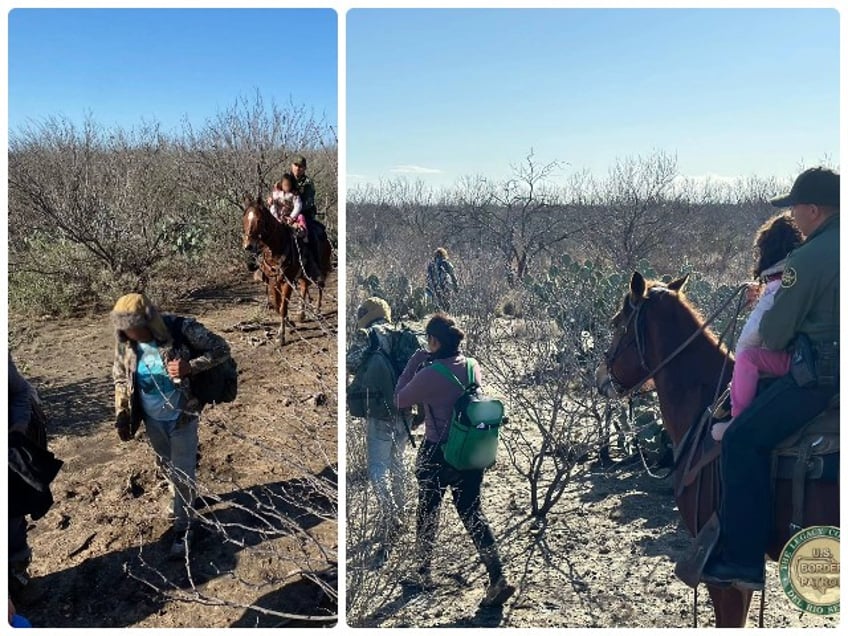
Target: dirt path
[273, 450]
[606, 559]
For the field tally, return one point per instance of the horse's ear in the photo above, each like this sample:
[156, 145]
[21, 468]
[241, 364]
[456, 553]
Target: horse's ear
[637, 286]
[247, 200]
[679, 284]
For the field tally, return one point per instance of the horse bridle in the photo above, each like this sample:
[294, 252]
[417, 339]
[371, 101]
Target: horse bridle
[639, 339]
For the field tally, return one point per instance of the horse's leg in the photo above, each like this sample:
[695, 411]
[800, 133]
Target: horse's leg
[320, 297]
[274, 295]
[284, 310]
[730, 605]
[304, 294]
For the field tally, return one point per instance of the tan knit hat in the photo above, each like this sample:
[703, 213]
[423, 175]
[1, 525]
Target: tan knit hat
[372, 309]
[136, 310]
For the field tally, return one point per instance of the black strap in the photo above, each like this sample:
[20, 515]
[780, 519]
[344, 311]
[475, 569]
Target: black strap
[799, 483]
[175, 325]
[375, 349]
[373, 340]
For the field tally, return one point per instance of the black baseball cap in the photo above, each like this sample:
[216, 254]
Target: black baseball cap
[816, 186]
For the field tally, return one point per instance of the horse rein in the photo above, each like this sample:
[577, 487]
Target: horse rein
[623, 392]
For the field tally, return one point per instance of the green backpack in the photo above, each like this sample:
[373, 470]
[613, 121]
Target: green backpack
[472, 442]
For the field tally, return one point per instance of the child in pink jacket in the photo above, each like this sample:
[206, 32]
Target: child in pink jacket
[775, 239]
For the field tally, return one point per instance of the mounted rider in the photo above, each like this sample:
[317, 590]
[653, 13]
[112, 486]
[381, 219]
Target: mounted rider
[315, 231]
[805, 312]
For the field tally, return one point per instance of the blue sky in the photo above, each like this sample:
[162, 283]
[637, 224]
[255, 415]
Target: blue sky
[731, 92]
[123, 65]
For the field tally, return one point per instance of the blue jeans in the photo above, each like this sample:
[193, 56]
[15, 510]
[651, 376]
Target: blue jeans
[386, 441]
[175, 443]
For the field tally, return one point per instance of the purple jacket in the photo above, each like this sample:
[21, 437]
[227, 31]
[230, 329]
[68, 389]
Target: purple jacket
[436, 392]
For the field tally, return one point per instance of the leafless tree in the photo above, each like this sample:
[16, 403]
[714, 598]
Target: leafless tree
[105, 208]
[113, 194]
[521, 217]
[285, 530]
[637, 208]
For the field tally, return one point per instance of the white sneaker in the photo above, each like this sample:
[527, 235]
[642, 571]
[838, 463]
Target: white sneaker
[180, 545]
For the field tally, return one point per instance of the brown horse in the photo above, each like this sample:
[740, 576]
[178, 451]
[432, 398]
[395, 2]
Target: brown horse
[281, 261]
[649, 343]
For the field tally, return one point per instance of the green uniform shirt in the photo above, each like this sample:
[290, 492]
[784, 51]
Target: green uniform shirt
[307, 195]
[808, 299]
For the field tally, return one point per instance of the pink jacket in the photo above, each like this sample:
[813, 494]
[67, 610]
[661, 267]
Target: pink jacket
[436, 392]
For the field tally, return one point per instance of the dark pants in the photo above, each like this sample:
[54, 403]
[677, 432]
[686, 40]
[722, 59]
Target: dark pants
[434, 476]
[19, 551]
[315, 234]
[746, 509]
[440, 297]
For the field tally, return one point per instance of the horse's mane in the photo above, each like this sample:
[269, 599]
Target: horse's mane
[690, 313]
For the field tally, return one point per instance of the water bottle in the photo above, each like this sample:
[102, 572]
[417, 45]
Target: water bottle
[173, 355]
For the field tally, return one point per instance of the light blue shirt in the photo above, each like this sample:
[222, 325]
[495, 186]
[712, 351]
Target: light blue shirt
[160, 398]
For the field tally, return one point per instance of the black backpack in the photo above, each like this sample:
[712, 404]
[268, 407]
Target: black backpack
[371, 394]
[213, 386]
[404, 343]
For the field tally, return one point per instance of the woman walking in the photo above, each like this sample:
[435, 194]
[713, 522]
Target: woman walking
[421, 384]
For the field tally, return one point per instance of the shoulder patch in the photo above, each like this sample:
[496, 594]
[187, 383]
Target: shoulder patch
[789, 278]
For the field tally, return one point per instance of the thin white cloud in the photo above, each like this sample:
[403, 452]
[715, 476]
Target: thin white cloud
[410, 169]
[356, 176]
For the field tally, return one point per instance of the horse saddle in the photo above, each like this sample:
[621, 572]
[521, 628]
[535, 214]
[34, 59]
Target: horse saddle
[818, 438]
[811, 453]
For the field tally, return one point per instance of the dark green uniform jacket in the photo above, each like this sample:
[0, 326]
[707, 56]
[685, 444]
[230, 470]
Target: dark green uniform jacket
[808, 299]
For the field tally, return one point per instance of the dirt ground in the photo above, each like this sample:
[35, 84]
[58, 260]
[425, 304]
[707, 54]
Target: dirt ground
[606, 559]
[267, 472]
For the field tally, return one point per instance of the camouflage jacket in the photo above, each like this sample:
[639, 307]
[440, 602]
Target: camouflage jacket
[439, 272]
[307, 196]
[206, 350]
[361, 343]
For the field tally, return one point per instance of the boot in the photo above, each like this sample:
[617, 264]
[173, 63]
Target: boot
[497, 593]
[183, 539]
[499, 589]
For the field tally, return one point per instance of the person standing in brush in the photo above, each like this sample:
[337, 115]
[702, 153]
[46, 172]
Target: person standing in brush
[420, 383]
[153, 378]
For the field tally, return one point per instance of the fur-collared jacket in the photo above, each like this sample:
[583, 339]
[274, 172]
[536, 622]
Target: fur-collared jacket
[202, 348]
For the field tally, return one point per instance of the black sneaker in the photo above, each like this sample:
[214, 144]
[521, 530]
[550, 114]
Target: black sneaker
[497, 593]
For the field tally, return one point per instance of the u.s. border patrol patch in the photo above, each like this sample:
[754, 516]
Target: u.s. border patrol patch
[809, 570]
[789, 278]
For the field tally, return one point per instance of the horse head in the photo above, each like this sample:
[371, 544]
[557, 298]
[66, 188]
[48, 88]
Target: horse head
[629, 362]
[254, 222]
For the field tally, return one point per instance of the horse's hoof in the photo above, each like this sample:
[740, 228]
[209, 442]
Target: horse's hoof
[301, 317]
